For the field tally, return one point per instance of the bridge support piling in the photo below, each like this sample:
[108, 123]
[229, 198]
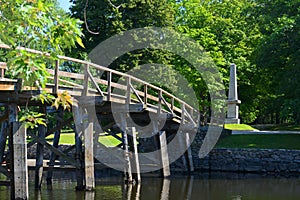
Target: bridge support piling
[181, 146]
[78, 146]
[3, 138]
[127, 167]
[188, 153]
[164, 154]
[89, 156]
[135, 162]
[40, 154]
[55, 144]
[78, 159]
[18, 153]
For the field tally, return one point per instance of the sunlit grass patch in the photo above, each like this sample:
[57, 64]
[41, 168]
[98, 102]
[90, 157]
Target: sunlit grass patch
[239, 127]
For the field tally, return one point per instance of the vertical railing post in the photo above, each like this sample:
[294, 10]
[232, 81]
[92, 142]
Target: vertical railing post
[128, 91]
[56, 78]
[86, 80]
[145, 94]
[172, 103]
[159, 102]
[109, 76]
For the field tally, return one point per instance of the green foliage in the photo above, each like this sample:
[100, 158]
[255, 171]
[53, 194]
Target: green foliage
[277, 58]
[229, 35]
[64, 100]
[37, 24]
[43, 26]
[108, 20]
[32, 119]
[44, 98]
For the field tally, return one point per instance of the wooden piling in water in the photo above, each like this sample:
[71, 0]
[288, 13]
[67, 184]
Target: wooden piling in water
[188, 153]
[55, 145]
[127, 154]
[89, 156]
[40, 154]
[164, 154]
[135, 157]
[18, 156]
[3, 139]
[78, 146]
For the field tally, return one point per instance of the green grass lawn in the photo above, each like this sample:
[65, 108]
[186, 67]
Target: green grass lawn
[68, 138]
[284, 127]
[239, 127]
[278, 141]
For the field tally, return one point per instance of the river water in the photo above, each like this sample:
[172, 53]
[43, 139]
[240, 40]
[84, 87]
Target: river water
[181, 187]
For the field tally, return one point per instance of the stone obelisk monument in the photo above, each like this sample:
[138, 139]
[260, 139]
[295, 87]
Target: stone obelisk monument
[232, 102]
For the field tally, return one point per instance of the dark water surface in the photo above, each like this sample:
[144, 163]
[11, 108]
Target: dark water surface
[231, 187]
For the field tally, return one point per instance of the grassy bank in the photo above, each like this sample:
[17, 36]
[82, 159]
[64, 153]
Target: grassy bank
[68, 138]
[278, 141]
[278, 127]
[239, 127]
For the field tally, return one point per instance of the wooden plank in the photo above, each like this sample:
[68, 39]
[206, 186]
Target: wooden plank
[89, 156]
[159, 107]
[20, 162]
[3, 67]
[145, 95]
[95, 83]
[67, 74]
[109, 76]
[135, 162]
[56, 71]
[127, 170]
[86, 81]
[128, 91]
[164, 154]
[67, 82]
[136, 94]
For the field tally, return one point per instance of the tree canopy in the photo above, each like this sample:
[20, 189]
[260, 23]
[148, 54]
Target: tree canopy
[260, 36]
[40, 25]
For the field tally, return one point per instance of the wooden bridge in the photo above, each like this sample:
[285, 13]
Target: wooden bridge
[120, 103]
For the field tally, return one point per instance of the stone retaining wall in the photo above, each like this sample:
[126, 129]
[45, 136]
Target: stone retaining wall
[245, 160]
[250, 160]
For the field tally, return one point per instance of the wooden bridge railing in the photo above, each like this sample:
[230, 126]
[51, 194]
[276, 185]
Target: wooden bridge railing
[115, 86]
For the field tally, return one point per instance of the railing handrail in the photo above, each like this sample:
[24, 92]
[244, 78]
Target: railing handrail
[87, 75]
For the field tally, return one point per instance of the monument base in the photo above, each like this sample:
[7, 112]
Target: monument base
[232, 121]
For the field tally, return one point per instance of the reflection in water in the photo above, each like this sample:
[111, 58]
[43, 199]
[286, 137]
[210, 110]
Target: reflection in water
[179, 187]
[165, 189]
